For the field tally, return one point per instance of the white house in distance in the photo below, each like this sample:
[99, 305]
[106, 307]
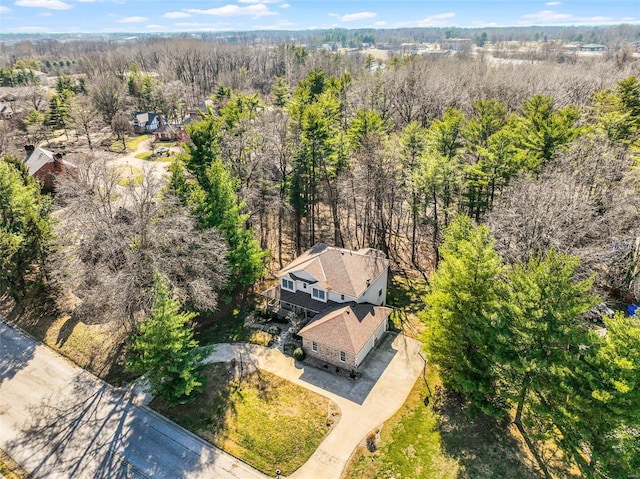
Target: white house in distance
[345, 291]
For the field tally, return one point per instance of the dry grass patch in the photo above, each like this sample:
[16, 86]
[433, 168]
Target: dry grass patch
[264, 420]
[129, 175]
[10, 469]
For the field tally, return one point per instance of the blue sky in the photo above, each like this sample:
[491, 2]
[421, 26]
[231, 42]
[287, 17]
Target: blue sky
[65, 16]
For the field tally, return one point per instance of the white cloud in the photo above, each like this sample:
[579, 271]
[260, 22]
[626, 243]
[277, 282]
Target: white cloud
[283, 25]
[255, 2]
[381, 23]
[4, 9]
[176, 15]
[553, 4]
[51, 4]
[31, 29]
[354, 17]
[256, 11]
[285, 5]
[132, 19]
[437, 20]
[547, 17]
[155, 27]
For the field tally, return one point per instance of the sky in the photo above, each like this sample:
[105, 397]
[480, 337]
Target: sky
[96, 16]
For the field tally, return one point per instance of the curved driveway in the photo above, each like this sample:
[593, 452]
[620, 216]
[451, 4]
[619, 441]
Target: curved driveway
[59, 421]
[390, 372]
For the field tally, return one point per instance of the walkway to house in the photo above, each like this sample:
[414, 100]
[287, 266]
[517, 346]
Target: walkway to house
[389, 374]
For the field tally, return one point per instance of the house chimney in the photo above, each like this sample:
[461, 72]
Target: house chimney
[57, 162]
[160, 120]
[29, 149]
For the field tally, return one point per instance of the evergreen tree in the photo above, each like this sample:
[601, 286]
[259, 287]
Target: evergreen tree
[600, 418]
[165, 350]
[414, 143]
[542, 129]
[539, 330]
[217, 205]
[25, 228]
[462, 310]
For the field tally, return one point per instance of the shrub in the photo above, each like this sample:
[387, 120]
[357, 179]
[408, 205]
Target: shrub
[274, 330]
[298, 354]
[260, 338]
[372, 441]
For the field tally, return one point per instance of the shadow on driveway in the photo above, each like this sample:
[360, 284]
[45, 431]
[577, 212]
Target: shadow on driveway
[14, 355]
[355, 390]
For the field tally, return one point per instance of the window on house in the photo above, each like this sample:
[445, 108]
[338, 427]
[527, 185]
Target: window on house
[305, 285]
[287, 284]
[318, 294]
[380, 292]
[314, 346]
[343, 357]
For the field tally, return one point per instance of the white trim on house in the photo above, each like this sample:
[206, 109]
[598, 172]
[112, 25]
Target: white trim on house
[319, 294]
[288, 284]
[373, 341]
[370, 295]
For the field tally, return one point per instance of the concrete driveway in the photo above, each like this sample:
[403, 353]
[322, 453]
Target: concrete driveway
[390, 372]
[58, 421]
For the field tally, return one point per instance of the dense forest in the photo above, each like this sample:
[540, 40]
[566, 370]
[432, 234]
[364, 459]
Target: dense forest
[511, 188]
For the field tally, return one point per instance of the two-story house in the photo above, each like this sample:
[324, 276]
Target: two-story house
[344, 292]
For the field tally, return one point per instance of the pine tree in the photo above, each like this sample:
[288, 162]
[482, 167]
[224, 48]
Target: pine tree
[25, 228]
[218, 206]
[165, 350]
[462, 308]
[600, 419]
[539, 330]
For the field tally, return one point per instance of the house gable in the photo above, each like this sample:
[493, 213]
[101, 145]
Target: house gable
[338, 270]
[346, 328]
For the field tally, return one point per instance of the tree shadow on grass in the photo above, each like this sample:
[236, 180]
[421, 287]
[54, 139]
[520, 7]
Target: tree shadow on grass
[483, 446]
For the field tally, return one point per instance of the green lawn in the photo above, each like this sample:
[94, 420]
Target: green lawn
[129, 175]
[224, 326]
[441, 441]
[261, 419]
[145, 155]
[132, 144]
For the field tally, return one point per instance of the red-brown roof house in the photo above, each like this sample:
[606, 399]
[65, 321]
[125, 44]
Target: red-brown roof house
[45, 165]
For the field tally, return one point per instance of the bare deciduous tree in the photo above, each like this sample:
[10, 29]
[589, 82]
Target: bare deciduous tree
[112, 239]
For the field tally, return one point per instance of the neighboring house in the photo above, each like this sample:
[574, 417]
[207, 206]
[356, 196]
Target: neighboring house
[592, 47]
[170, 133]
[45, 165]
[345, 292]
[145, 122]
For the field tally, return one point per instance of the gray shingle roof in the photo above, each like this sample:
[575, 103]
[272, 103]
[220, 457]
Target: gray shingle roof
[341, 270]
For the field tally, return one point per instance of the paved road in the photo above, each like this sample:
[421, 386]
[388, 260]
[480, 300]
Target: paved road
[58, 421]
[390, 372]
